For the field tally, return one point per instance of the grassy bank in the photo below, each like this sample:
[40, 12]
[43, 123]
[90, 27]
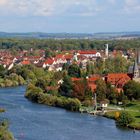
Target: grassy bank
[4, 133]
[132, 108]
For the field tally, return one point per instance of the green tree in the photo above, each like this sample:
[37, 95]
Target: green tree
[65, 66]
[120, 64]
[66, 88]
[90, 68]
[111, 93]
[41, 83]
[2, 71]
[132, 90]
[74, 71]
[33, 93]
[101, 90]
[49, 53]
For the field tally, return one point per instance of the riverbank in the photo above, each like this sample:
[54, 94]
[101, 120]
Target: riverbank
[39, 122]
[4, 132]
[12, 80]
[111, 115]
[74, 105]
[36, 95]
[133, 108]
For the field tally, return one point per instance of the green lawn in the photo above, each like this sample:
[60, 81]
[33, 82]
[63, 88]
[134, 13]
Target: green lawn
[133, 108]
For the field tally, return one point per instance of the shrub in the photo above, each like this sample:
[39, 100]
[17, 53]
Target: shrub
[8, 83]
[4, 133]
[124, 119]
[33, 93]
[87, 102]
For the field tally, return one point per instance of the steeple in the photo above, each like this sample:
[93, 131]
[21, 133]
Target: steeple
[138, 56]
[136, 70]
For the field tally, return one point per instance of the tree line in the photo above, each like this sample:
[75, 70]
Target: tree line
[67, 44]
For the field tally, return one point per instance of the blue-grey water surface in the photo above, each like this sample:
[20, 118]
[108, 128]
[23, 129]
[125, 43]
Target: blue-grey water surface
[30, 121]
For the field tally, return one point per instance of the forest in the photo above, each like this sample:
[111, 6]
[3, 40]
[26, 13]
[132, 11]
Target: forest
[67, 44]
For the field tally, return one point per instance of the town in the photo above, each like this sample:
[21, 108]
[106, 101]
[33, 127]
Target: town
[101, 81]
[86, 60]
[69, 70]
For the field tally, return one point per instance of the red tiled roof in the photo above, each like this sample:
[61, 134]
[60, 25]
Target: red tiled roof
[118, 79]
[49, 61]
[93, 79]
[75, 79]
[88, 52]
[31, 57]
[117, 75]
[26, 62]
[69, 56]
[59, 56]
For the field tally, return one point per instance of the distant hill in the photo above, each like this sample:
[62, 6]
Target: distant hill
[104, 35]
[46, 35]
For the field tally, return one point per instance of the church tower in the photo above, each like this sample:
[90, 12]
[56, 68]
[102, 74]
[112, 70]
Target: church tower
[136, 70]
[138, 56]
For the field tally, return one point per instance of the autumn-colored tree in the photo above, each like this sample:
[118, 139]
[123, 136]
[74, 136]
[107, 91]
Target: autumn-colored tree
[81, 90]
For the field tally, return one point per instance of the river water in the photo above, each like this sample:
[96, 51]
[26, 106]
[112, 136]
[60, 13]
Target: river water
[30, 121]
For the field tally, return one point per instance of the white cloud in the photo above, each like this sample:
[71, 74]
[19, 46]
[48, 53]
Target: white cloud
[64, 7]
[49, 7]
[131, 2]
[132, 6]
[112, 1]
[3, 2]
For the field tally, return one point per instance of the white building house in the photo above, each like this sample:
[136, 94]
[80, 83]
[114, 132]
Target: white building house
[90, 54]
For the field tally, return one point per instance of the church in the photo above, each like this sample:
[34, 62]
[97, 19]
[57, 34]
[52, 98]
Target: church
[135, 69]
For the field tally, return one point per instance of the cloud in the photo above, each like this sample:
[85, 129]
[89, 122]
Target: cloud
[3, 2]
[50, 7]
[132, 6]
[112, 1]
[65, 7]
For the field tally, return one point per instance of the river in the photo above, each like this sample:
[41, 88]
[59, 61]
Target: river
[30, 121]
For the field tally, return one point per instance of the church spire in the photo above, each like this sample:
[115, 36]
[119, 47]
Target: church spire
[136, 70]
[138, 56]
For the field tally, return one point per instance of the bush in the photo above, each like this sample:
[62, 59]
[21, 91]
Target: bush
[72, 104]
[124, 119]
[4, 133]
[12, 80]
[87, 102]
[8, 83]
[33, 93]
[21, 81]
[36, 94]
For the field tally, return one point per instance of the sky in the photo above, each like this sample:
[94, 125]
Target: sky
[71, 16]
